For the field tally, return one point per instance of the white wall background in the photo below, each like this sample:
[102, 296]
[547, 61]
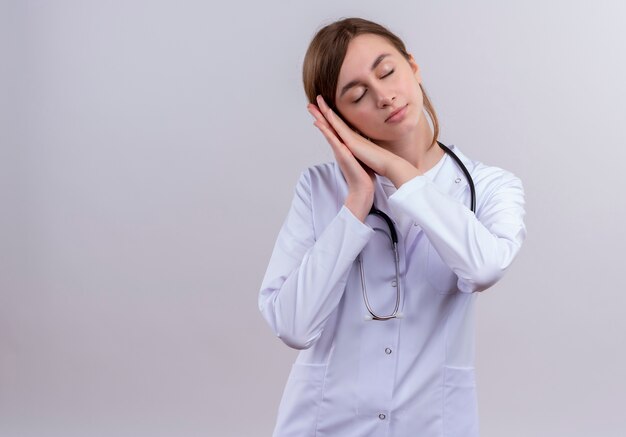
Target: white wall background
[149, 151]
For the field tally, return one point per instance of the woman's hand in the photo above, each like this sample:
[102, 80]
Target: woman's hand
[360, 178]
[371, 155]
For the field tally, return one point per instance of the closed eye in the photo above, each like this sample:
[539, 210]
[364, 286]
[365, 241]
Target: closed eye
[359, 99]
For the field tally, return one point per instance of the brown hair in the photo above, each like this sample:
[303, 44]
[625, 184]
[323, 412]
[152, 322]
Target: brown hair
[325, 55]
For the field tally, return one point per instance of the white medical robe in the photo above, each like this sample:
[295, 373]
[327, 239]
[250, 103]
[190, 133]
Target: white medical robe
[412, 376]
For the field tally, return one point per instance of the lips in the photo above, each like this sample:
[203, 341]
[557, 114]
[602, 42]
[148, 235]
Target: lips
[394, 113]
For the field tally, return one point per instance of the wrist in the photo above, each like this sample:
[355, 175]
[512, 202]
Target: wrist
[402, 171]
[359, 204]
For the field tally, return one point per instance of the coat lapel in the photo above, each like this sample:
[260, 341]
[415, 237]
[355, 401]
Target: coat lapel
[450, 179]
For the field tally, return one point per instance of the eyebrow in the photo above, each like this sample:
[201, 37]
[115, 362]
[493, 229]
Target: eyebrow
[356, 82]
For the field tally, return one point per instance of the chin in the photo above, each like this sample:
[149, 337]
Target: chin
[398, 132]
[394, 132]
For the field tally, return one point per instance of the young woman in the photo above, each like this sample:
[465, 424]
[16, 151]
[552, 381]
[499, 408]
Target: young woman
[385, 336]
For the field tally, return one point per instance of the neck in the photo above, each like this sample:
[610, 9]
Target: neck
[416, 147]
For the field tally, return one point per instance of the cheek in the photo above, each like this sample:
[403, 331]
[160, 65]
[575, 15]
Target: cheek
[415, 88]
[362, 115]
[356, 117]
[366, 123]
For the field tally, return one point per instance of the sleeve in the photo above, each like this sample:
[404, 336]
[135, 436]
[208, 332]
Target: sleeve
[480, 248]
[306, 276]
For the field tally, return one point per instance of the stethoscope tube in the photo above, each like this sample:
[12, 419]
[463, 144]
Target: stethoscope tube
[393, 235]
[470, 181]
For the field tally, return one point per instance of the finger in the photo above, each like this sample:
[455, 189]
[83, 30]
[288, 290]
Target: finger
[349, 165]
[327, 130]
[317, 114]
[342, 152]
[331, 137]
[342, 129]
[343, 155]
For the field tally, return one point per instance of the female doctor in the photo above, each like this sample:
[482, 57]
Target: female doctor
[386, 337]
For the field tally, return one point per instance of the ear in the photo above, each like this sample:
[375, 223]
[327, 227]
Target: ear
[415, 68]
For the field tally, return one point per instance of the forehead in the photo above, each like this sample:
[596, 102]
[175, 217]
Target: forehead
[362, 52]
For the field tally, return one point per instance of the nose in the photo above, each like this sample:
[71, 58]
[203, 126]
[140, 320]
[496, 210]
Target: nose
[384, 98]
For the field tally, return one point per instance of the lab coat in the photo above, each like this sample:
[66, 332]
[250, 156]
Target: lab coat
[412, 376]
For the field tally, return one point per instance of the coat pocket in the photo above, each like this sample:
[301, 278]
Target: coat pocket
[460, 406]
[297, 412]
[439, 275]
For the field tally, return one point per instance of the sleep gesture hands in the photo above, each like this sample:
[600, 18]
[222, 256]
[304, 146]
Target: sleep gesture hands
[359, 159]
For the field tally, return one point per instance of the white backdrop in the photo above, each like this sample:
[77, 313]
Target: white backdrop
[149, 151]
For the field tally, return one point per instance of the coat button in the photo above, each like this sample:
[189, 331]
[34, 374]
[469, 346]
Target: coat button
[387, 351]
[381, 416]
[394, 283]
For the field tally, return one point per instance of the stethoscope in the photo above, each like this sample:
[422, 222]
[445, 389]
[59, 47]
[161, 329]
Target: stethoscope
[393, 235]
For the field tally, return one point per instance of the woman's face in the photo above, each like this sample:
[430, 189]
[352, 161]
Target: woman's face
[375, 82]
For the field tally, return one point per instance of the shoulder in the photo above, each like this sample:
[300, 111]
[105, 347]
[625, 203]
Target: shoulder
[323, 189]
[326, 170]
[321, 177]
[497, 189]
